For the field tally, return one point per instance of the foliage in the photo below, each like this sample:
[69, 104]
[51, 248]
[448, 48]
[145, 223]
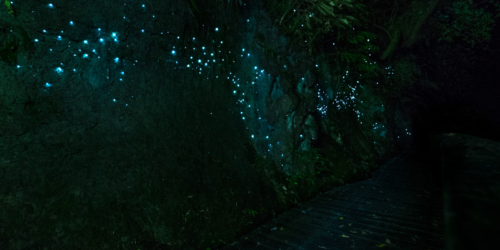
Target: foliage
[402, 75]
[9, 7]
[249, 213]
[356, 54]
[463, 20]
[309, 20]
[305, 182]
[321, 164]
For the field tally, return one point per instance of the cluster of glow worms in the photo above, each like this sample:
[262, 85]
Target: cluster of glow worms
[341, 98]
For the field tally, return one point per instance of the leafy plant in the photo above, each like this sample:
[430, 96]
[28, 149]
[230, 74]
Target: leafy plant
[321, 164]
[248, 213]
[309, 20]
[463, 20]
[9, 7]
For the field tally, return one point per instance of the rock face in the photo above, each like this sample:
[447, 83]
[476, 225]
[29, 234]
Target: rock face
[141, 112]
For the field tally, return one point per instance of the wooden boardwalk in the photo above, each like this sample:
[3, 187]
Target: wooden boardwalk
[451, 202]
[471, 170]
[399, 208]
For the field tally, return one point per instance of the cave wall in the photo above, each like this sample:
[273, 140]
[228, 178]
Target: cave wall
[140, 124]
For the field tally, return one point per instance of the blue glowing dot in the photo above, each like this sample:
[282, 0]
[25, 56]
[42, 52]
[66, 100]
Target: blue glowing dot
[85, 55]
[71, 22]
[18, 66]
[59, 38]
[173, 52]
[36, 40]
[255, 67]
[48, 84]
[59, 70]
[117, 60]
[203, 48]
[216, 29]
[253, 136]
[86, 42]
[188, 65]
[113, 34]
[114, 100]
[44, 31]
[142, 31]
[143, 6]
[267, 137]
[50, 5]
[234, 92]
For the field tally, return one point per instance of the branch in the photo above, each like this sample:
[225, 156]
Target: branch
[420, 14]
[382, 28]
[291, 7]
[392, 45]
